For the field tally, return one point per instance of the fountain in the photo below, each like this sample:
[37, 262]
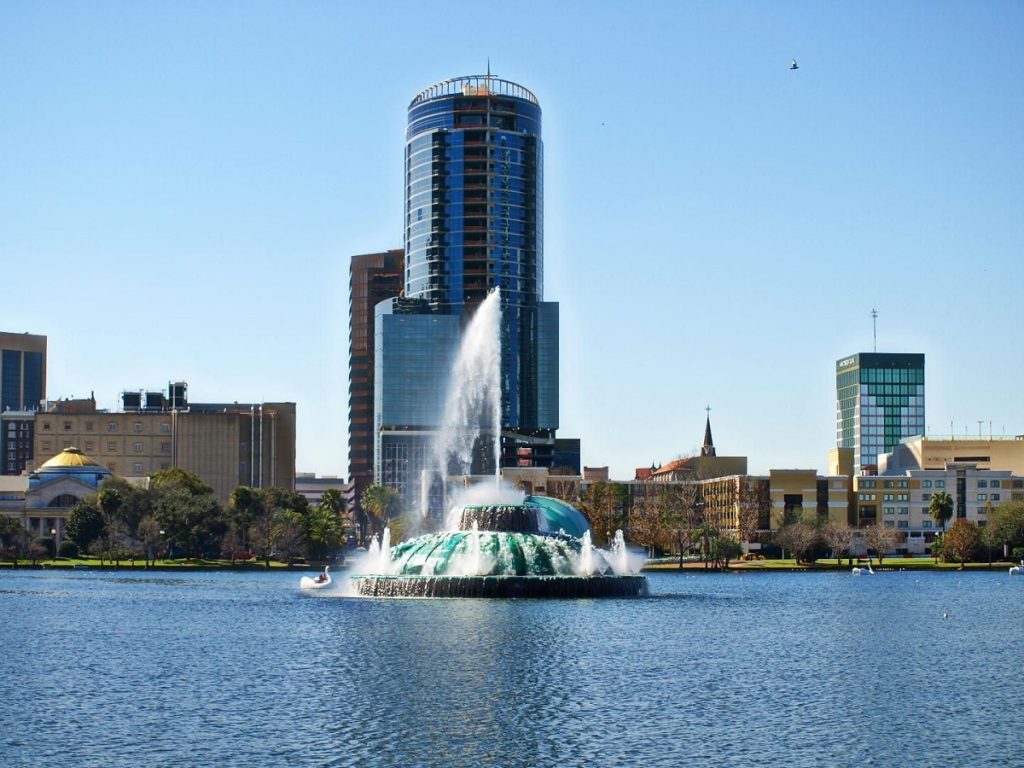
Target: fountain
[498, 542]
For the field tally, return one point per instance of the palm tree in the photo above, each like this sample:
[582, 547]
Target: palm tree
[380, 503]
[941, 508]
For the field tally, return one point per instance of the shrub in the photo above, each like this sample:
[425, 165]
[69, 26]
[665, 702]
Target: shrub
[1018, 553]
[69, 549]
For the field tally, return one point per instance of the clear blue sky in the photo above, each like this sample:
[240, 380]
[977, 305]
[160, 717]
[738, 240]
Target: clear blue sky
[182, 185]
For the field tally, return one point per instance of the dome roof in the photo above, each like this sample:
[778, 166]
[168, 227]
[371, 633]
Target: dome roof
[68, 458]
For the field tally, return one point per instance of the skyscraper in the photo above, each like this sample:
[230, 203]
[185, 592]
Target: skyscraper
[373, 277]
[474, 217]
[473, 222]
[23, 374]
[879, 401]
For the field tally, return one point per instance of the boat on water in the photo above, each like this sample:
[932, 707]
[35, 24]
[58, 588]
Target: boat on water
[320, 582]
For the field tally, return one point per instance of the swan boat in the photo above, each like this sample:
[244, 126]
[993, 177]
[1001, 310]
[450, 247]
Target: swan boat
[320, 582]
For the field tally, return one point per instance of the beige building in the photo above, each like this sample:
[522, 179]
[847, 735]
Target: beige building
[902, 501]
[225, 445]
[804, 494]
[935, 453]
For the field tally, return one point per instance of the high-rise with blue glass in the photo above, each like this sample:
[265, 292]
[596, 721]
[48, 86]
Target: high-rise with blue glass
[474, 221]
[22, 388]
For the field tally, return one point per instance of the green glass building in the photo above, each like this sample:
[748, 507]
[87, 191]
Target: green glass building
[879, 402]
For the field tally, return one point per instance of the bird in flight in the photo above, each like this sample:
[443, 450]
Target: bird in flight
[794, 65]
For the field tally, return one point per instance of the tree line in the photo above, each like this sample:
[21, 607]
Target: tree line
[178, 515]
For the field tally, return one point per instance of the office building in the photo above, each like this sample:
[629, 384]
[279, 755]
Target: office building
[473, 223]
[373, 277]
[22, 371]
[224, 444]
[879, 402]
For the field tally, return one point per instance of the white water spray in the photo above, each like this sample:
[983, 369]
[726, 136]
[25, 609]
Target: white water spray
[473, 407]
[586, 561]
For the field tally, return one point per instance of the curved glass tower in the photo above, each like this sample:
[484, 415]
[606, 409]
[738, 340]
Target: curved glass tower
[474, 221]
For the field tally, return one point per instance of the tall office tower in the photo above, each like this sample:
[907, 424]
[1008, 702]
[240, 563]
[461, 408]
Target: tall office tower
[473, 222]
[373, 277]
[474, 216]
[879, 402]
[23, 374]
[22, 387]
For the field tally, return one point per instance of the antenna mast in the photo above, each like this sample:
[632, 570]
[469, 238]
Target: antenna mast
[874, 329]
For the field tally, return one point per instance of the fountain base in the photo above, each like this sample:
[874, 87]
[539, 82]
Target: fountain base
[500, 586]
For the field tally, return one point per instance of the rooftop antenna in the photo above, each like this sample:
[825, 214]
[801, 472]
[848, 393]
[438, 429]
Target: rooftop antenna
[874, 329]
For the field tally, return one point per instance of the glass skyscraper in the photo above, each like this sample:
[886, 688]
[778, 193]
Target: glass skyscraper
[879, 402]
[474, 213]
[474, 216]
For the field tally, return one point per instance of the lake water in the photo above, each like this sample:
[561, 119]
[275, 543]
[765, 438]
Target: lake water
[125, 669]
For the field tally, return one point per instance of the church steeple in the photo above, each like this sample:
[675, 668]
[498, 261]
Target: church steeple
[708, 449]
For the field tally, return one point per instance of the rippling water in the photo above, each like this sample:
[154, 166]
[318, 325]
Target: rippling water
[105, 669]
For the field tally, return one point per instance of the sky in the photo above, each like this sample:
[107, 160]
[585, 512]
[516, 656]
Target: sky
[182, 185]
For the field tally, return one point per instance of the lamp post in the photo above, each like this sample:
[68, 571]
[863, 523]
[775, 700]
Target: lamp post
[53, 536]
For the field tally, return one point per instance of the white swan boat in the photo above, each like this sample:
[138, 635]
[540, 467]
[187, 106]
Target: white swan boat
[320, 582]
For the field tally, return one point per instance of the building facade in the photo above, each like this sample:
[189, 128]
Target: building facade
[22, 371]
[879, 402]
[373, 277]
[901, 501]
[474, 217]
[224, 444]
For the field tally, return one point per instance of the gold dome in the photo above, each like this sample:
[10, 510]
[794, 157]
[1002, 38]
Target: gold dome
[69, 457]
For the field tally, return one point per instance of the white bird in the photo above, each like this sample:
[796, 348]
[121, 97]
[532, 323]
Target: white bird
[862, 571]
[1016, 570]
[794, 65]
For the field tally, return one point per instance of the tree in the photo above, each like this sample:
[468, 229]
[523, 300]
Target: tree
[289, 534]
[880, 539]
[109, 501]
[754, 500]
[324, 531]
[11, 531]
[1006, 525]
[681, 517]
[379, 504]
[960, 541]
[839, 538]
[727, 548]
[187, 510]
[244, 507]
[602, 503]
[85, 523]
[149, 535]
[800, 538]
[940, 507]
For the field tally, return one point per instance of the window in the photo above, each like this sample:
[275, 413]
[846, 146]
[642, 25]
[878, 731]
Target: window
[137, 447]
[165, 427]
[112, 446]
[46, 445]
[902, 484]
[889, 510]
[890, 524]
[940, 483]
[926, 483]
[925, 496]
[888, 484]
[67, 426]
[89, 445]
[46, 425]
[993, 484]
[137, 426]
[902, 497]
[926, 523]
[888, 497]
[994, 497]
[983, 483]
[982, 497]
[137, 469]
[904, 510]
[112, 426]
[902, 523]
[165, 447]
[89, 426]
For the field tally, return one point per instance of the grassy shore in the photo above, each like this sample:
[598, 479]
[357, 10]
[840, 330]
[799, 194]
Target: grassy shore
[889, 564]
[71, 563]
